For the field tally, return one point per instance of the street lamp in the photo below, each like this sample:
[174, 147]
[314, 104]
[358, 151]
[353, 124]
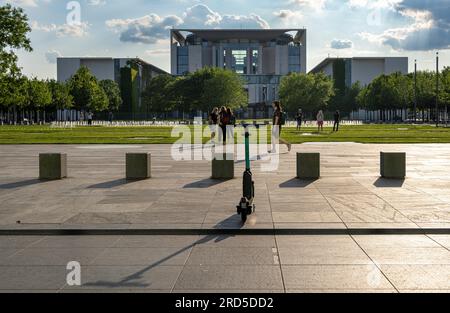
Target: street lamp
[437, 89]
[415, 91]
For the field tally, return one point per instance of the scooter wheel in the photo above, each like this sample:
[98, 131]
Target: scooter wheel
[244, 217]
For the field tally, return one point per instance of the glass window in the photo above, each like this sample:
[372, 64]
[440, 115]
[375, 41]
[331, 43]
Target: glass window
[255, 61]
[239, 61]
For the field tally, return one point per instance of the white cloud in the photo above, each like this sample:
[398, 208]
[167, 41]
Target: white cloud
[64, 30]
[157, 52]
[96, 2]
[147, 29]
[317, 5]
[153, 28]
[52, 55]
[374, 4]
[288, 14]
[23, 3]
[341, 44]
[426, 29]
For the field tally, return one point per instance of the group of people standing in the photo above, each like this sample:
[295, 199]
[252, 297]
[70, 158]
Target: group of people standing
[222, 117]
[320, 117]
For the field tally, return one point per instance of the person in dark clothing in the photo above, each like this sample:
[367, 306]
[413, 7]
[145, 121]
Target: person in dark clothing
[213, 121]
[224, 120]
[337, 121]
[277, 126]
[299, 118]
[231, 125]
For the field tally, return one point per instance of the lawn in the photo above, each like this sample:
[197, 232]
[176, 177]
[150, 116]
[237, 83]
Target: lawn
[162, 135]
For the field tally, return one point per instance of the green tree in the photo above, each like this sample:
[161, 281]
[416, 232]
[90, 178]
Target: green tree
[350, 100]
[224, 88]
[86, 92]
[210, 87]
[310, 92]
[39, 95]
[13, 36]
[159, 96]
[387, 93]
[444, 94]
[112, 90]
[61, 97]
[13, 94]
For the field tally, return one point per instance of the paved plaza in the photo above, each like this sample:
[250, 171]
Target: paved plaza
[180, 196]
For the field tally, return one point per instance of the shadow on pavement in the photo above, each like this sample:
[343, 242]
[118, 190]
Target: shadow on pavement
[297, 183]
[205, 183]
[24, 183]
[389, 183]
[112, 184]
[132, 280]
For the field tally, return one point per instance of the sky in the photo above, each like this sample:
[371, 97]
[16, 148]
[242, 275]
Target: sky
[137, 28]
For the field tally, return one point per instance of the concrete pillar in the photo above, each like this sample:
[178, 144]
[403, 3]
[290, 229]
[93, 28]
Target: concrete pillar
[308, 165]
[138, 166]
[260, 60]
[52, 166]
[393, 165]
[249, 61]
[223, 166]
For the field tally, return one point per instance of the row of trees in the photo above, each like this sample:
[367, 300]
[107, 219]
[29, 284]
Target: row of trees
[199, 91]
[400, 92]
[22, 97]
[313, 92]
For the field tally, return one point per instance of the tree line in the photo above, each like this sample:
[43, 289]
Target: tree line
[38, 100]
[22, 97]
[386, 93]
[202, 90]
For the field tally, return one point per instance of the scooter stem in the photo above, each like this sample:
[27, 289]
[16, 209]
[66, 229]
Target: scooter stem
[247, 150]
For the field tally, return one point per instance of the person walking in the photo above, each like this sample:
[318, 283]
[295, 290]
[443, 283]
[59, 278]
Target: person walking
[224, 120]
[299, 118]
[231, 125]
[90, 116]
[111, 117]
[320, 120]
[277, 126]
[213, 121]
[337, 120]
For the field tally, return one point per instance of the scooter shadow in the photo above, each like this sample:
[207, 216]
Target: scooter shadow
[205, 183]
[297, 183]
[135, 280]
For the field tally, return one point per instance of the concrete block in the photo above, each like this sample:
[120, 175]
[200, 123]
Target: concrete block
[223, 166]
[393, 165]
[308, 165]
[138, 166]
[52, 166]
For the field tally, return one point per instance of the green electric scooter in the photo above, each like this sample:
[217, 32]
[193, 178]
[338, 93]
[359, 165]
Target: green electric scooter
[246, 206]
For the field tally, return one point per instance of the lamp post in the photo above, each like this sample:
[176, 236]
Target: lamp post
[415, 91]
[437, 89]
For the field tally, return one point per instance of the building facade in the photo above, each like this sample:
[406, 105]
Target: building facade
[363, 70]
[131, 74]
[261, 56]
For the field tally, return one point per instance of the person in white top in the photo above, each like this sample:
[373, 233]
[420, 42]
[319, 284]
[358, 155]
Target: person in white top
[320, 119]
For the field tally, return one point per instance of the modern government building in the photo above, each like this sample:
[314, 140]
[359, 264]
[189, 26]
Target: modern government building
[261, 56]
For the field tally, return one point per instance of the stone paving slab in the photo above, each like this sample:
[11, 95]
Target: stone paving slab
[261, 263]
[350, 191]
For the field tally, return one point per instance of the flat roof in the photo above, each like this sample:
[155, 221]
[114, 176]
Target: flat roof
[113, 58]
[326, 61]
[225, 34]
